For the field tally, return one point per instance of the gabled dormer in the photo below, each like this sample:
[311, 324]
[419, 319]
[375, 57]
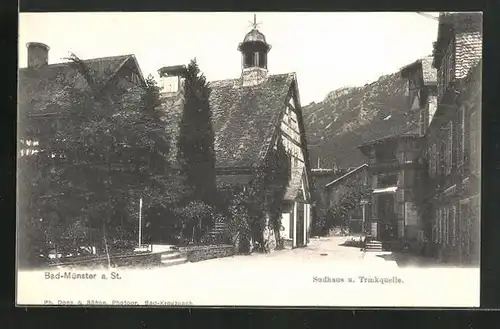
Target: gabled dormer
[422, 81]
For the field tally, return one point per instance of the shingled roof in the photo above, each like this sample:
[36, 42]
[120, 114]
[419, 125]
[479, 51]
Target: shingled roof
[38, 88]
[411, 133]
[452, 23]
[245, 118]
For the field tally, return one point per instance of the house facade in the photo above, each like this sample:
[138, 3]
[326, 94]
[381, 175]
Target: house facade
[453, 143]
[250, 114]
[394, 174]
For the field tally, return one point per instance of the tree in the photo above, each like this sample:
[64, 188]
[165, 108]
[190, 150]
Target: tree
[196, 154]
[196, 137]
[108, 150]
[337, 213]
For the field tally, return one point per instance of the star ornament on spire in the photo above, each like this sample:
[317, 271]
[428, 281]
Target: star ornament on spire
[254, 24]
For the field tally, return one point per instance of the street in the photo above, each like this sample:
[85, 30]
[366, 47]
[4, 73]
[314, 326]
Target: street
[324, 273]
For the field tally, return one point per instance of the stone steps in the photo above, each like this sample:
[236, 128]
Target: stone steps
[373, 246]
[171, 258]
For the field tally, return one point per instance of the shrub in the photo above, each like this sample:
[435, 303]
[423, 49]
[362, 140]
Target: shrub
[197, 219]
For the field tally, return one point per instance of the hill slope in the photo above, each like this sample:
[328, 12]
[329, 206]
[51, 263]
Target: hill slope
[348, 117]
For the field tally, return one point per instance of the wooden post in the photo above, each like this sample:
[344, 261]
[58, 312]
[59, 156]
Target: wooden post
[140, 222]
[294, 221]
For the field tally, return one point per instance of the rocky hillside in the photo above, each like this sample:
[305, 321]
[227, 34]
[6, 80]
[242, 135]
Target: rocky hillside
[348, 117]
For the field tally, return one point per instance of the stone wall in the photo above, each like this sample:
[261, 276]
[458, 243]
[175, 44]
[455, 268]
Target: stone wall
[199, 253]
[141, 260]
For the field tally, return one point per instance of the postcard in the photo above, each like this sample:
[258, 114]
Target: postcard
[183, 159]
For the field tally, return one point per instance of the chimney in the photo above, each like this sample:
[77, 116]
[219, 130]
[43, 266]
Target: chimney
[38, 54]
[171, 79]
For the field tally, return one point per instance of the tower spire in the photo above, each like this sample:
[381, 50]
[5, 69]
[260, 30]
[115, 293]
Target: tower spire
[254, 24]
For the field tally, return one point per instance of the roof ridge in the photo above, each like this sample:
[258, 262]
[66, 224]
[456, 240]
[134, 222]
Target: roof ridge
[269, 75]
[347, 174]
[54, 65]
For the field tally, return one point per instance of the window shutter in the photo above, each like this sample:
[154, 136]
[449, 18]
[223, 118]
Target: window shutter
[460, 140]
[454, 226]
[447, 225]
[449, 148]
[474, 142]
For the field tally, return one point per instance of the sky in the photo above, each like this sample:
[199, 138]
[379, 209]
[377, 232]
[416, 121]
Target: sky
[327, 51]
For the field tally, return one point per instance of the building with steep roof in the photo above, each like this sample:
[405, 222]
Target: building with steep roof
[42, 84]
[249, 114]
[422, 90]
[43, 89]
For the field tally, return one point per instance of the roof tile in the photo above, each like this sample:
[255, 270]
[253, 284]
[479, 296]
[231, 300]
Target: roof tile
[245, 118]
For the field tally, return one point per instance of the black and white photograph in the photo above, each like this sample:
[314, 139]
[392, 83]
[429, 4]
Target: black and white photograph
[183, 159]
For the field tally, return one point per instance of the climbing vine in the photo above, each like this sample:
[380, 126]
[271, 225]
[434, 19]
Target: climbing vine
[262, 198]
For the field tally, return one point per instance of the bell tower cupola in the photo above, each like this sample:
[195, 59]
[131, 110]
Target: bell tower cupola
[254, 50]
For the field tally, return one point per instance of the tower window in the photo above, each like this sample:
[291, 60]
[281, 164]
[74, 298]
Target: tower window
[248, 60]
[263, 60]
[256, 59]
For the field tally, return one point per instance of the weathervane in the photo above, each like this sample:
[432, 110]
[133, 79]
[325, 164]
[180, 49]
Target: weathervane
[254, 24]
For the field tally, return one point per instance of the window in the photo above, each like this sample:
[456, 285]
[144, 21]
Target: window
[432, 160]
[248, 60]
[446, 71]
[439, 157]
[422, 122]
[262, 59]
[375, 207]
[256, 59]
[475, 145]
